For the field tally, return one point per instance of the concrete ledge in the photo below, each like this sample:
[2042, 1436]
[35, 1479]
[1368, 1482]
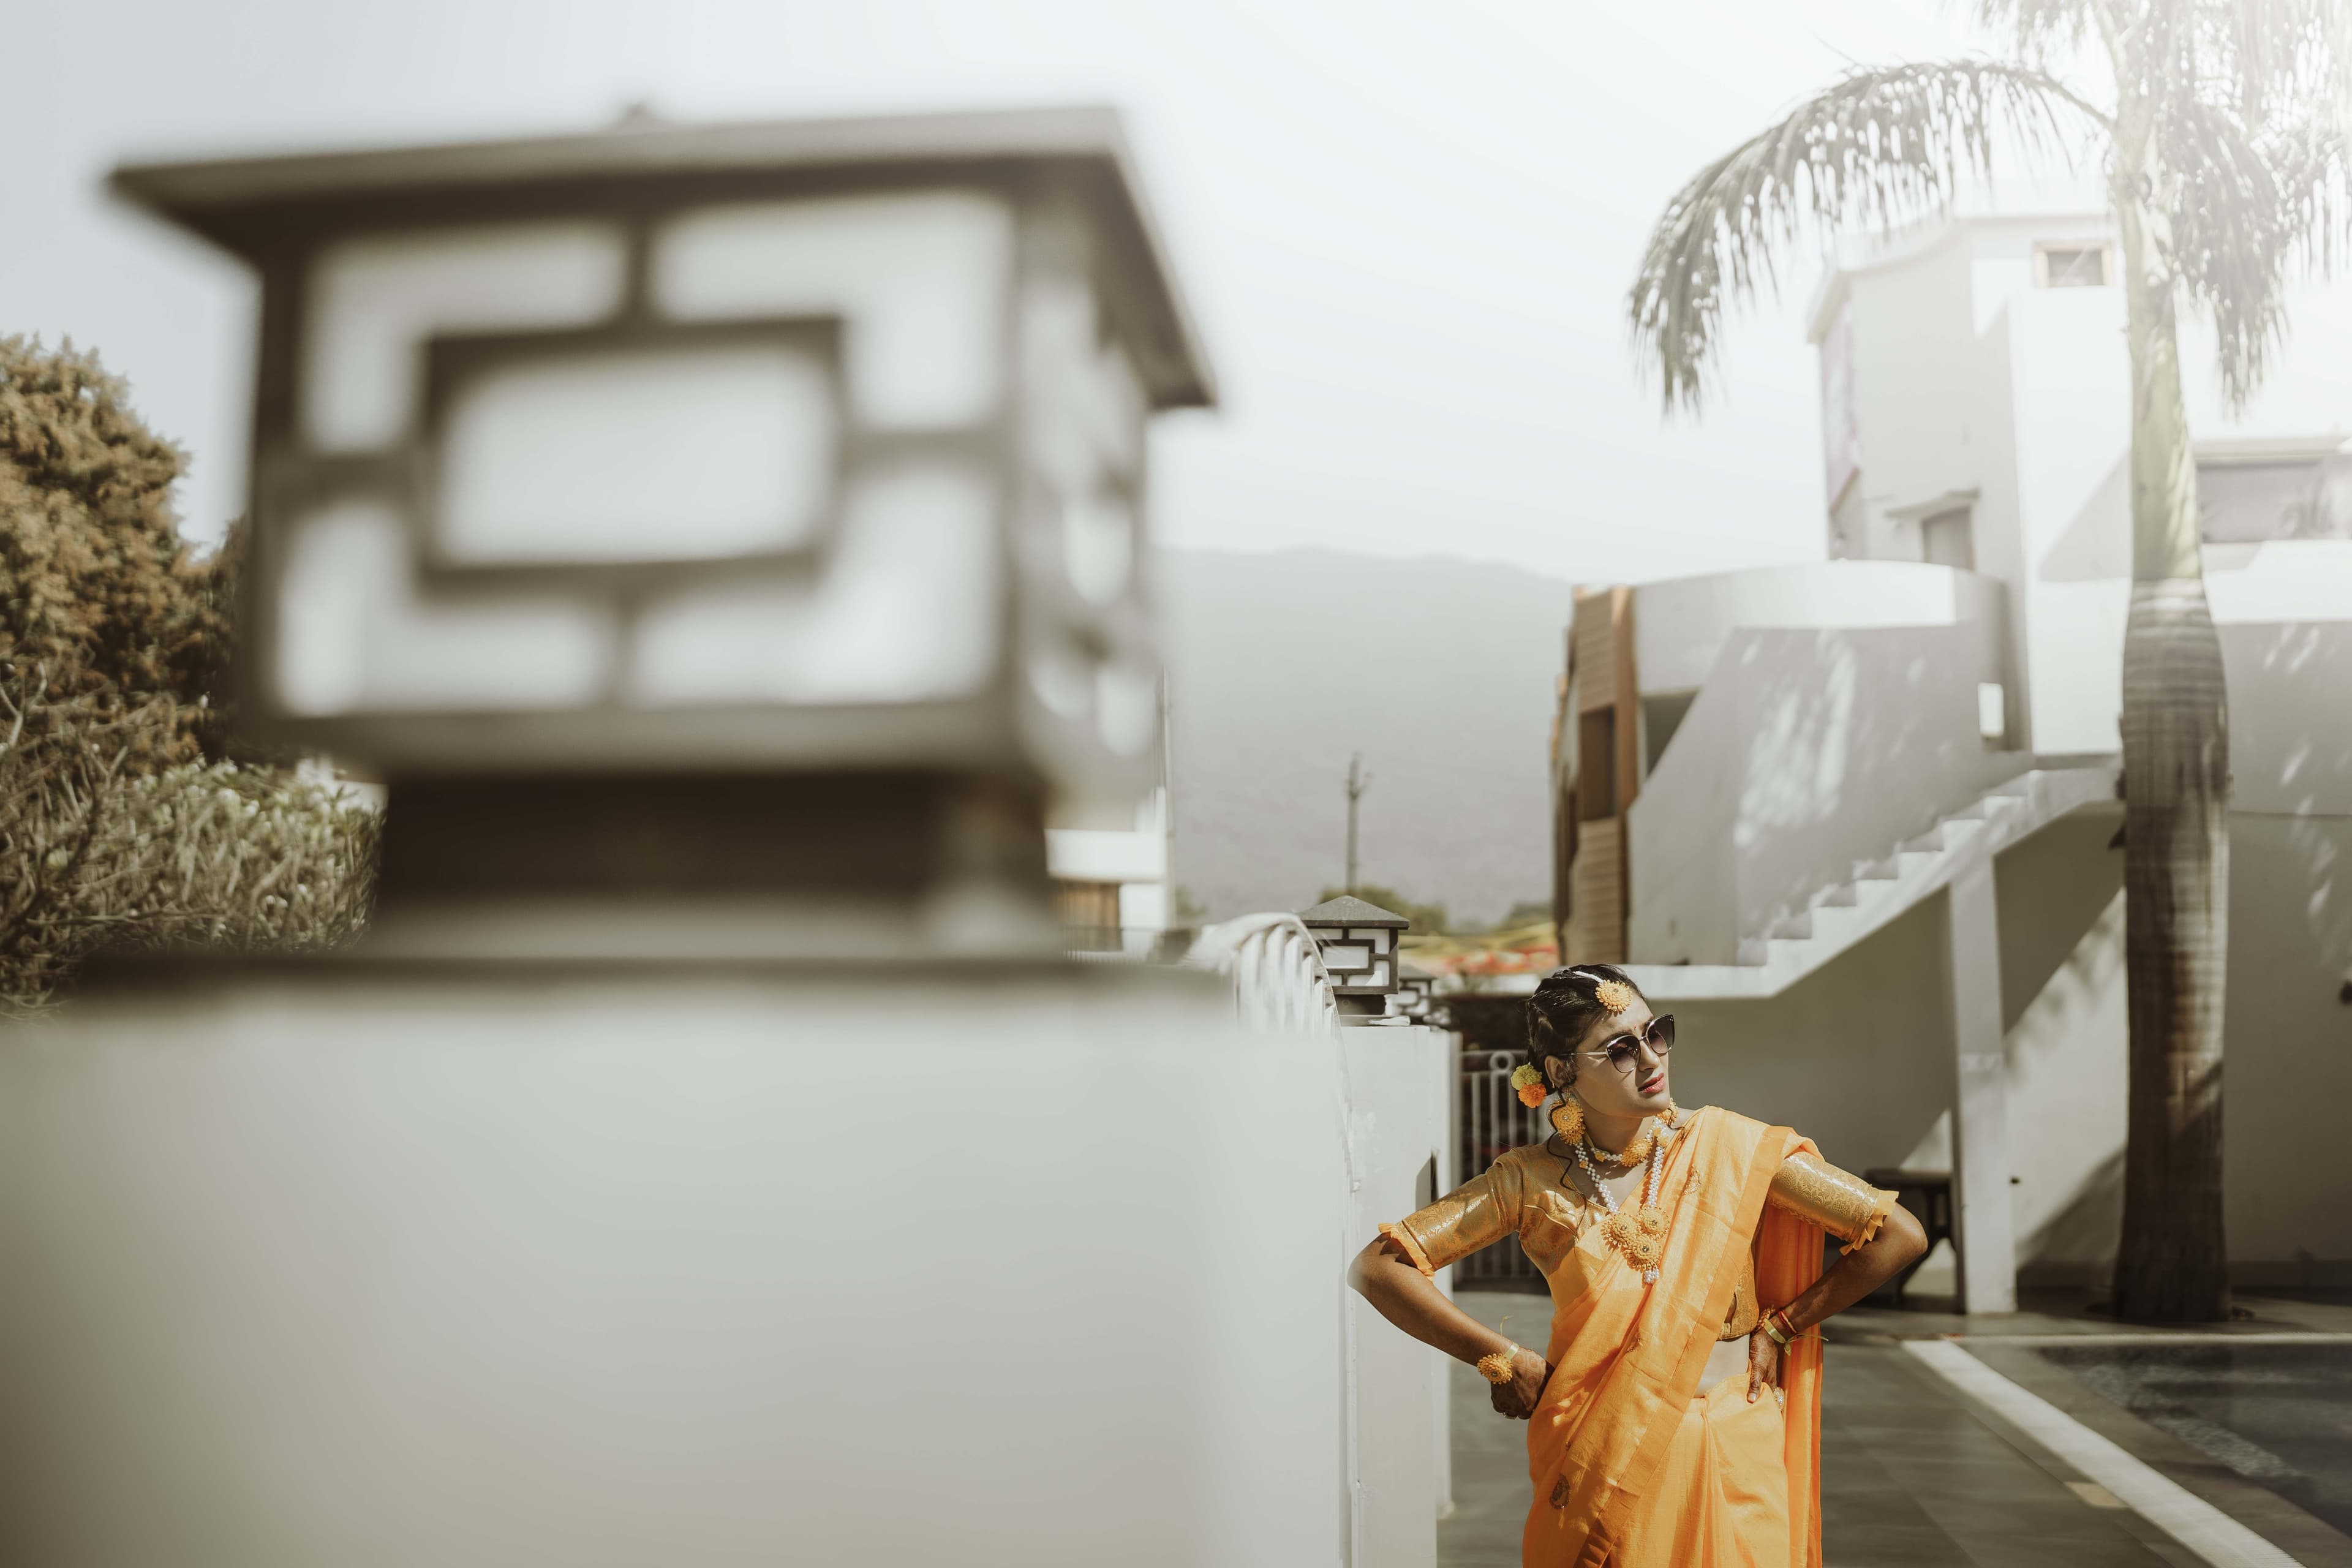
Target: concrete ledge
[2245, 1274]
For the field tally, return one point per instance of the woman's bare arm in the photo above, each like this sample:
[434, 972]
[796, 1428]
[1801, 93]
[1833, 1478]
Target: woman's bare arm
[1406, 1296]
[1900, 1241]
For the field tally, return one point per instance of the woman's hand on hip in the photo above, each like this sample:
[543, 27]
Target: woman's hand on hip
[1763, 1365]
[1519, 1398]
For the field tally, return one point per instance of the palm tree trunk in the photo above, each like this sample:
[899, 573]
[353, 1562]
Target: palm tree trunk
[2173, 1265]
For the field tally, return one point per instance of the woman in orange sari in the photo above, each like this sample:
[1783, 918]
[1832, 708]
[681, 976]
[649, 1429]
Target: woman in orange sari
[1674, 1417]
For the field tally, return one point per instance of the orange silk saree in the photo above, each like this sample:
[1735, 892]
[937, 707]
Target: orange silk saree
[1633, 1465]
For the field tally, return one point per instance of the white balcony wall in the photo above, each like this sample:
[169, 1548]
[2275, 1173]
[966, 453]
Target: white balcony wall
[1680, 625]
[1805, 752]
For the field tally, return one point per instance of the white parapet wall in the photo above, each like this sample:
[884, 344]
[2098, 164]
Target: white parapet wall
[1680, 625]
[962, 1262]
[1394, 1100]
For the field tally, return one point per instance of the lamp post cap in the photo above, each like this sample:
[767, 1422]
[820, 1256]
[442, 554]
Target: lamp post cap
[1347, 909]
[250, 205]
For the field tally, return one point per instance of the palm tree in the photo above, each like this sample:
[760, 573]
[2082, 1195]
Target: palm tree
[2219, 123]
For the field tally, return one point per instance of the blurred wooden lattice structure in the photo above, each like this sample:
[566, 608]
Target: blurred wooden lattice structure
[1596, 771]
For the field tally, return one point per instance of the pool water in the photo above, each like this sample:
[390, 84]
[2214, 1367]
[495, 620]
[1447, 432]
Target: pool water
[2278, 1414]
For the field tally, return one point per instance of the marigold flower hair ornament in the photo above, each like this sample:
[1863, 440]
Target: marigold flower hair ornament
[1530, 1083]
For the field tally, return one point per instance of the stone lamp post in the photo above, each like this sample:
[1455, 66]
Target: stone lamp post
[746, 510]
[1359, 944]
[1416, 988]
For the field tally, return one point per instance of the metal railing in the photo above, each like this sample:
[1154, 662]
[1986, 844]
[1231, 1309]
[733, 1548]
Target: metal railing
[1489, 1121]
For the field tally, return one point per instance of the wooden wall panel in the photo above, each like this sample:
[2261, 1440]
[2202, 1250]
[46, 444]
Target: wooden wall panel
[1596, 926]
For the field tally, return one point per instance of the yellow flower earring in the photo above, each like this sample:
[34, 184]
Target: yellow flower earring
[1568, 1118]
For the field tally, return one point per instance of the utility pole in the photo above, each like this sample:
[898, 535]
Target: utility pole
[1358, 783]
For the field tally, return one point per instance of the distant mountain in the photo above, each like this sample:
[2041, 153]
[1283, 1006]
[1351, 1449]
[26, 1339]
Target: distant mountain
[1439, 671]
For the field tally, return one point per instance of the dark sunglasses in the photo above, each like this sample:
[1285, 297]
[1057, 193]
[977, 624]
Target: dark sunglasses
[1626, 1049]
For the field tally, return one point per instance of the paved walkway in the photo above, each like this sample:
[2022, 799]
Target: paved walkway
[1913, 1471]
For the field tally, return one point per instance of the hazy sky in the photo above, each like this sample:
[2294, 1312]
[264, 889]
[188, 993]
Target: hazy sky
[1406, 228]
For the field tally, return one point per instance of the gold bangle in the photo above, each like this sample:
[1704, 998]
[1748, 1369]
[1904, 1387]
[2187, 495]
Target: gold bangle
[1772, 1330]
[1497, 1366]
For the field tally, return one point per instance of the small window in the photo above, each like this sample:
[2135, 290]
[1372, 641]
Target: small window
[2070, 266]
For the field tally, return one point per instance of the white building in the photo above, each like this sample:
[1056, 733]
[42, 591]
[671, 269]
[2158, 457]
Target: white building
[1109, 865]
[1829, 810]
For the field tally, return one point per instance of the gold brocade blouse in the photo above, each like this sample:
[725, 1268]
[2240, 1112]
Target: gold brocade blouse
[1528, 1193]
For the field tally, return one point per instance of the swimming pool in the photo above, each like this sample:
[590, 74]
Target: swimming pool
[2278, 1414]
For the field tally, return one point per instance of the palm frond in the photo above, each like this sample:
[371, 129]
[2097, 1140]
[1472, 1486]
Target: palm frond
[2248, 208]
[2039, 27]
[2271, 52]
[1877, 147]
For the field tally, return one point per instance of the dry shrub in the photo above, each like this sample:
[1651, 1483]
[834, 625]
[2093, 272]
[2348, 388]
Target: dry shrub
[100, 848]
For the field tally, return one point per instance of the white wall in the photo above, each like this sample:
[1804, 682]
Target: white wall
[1680, 625]
[1857, 1056]
[2066, 1042]
[2287, 1168]
[2287, 1071]
[1804, 752]
[948, 1265]
[1400, 1084]
[2288, 1050]
[2071, 427]
[1913, 343]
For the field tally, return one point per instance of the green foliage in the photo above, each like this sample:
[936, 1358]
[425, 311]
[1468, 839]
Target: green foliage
[98, 850]
[1426, 919]
[121, 827]
[97, 590]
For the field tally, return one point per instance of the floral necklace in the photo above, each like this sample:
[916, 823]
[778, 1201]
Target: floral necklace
[1642, 1235]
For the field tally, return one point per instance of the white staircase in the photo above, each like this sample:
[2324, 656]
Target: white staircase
[1880, 890]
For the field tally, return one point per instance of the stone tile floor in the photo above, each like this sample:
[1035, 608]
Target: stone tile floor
[1913, 1471]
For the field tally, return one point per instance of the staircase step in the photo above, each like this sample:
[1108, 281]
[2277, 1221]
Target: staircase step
[1836, 915]
[1835, 922]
